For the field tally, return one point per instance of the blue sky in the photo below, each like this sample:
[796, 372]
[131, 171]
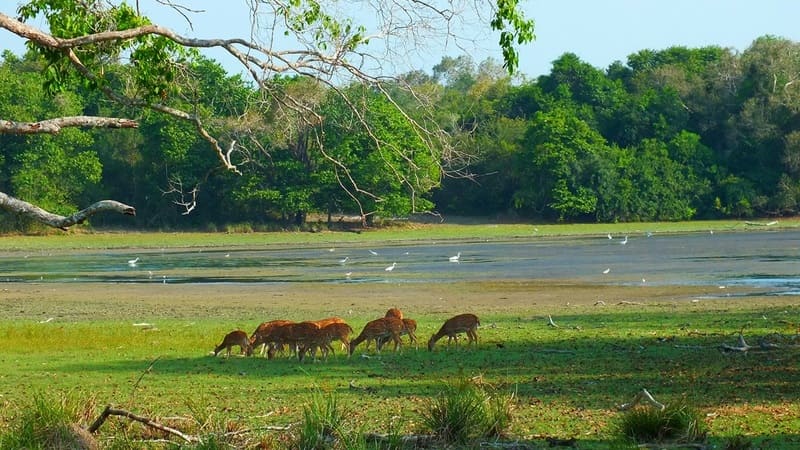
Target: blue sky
[599, 32]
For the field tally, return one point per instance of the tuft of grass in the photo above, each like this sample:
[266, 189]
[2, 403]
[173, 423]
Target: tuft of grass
[739, 442]
[324, 425]
[49, 421]
[677, 422]
[464, 411]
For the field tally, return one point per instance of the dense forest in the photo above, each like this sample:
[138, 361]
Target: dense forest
[672, 134]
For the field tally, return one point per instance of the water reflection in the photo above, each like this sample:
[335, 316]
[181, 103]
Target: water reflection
[765, 260]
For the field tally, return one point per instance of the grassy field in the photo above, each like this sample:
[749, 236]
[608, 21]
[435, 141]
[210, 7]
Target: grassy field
[88, 341]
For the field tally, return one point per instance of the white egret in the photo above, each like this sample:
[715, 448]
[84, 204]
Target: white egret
[610, 237]
[607, 270]
[624, 241]
[455, 258]
[132, 262]
[373, 253]
[342, 261]
[391, 268]
[348, 274]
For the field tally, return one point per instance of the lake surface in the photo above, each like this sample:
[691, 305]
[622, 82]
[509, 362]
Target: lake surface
[767, 261]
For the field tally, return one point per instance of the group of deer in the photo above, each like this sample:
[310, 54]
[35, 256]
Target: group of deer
[301, 338]
[307, 337]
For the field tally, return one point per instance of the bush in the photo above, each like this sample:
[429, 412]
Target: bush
[49, 422]
[464, 411]
[324, 426]
[675, 423]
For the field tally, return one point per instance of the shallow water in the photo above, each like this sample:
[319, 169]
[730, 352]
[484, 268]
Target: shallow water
[766, 261]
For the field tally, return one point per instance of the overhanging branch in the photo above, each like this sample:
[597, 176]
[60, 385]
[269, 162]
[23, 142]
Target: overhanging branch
[24, 208]
[54, 126]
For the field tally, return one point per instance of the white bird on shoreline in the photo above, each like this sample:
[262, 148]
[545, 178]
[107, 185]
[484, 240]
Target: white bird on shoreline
[391, 268]
[455, 258]
[342, 261]
[624, 241]
[132, 262]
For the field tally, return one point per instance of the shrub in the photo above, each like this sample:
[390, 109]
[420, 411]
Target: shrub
[464, 411]
[49, 422]
[324, 426]
[676, 423]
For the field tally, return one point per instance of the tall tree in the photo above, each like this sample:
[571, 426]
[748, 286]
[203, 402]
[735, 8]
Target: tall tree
[83, 38]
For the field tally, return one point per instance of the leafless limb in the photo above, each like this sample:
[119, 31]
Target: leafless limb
[24, 208]
[109, 411]
[54, 126]
[645, 396]
[184, 199]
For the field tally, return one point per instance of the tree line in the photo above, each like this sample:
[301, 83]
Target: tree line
[674, 134]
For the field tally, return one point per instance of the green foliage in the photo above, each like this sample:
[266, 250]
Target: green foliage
[324, 425]
[153, 56]
[464, 411]
[48, 421]
[677, 422]
[514, 30]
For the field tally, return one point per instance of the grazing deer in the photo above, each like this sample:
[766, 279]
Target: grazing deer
[236, 337]
[462, 323]
[296, 335]
[389, 327]
[394, 312]
[322, 323]
[409, 328]
[338, 332]
[262, 333]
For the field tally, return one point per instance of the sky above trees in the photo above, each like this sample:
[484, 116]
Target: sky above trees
[598, 32]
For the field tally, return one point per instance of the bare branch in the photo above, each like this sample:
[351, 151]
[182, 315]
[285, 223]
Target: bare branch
[109, 411]
[24, 208]
[54, 126]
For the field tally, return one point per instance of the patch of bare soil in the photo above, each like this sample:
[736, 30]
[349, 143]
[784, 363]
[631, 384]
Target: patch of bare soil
[102, 301]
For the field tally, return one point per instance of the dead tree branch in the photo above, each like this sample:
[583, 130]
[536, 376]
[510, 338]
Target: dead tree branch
[109, 411]
[54, 126]
[24, 208]
[645, 396]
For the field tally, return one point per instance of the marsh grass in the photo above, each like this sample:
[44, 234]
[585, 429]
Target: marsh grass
[395, 231]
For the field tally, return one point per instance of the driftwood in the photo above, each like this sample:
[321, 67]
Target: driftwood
[642, 396]
[109, 411]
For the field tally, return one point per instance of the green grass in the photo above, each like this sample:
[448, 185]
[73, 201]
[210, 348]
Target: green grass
[568, 380]
[82, 238]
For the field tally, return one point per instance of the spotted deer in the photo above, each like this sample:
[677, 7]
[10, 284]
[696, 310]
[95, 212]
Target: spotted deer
[409, 329]
[394, 312]
[462, 323]
[388, 327]
[261, 335]
[236, 337]
[338, 332]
